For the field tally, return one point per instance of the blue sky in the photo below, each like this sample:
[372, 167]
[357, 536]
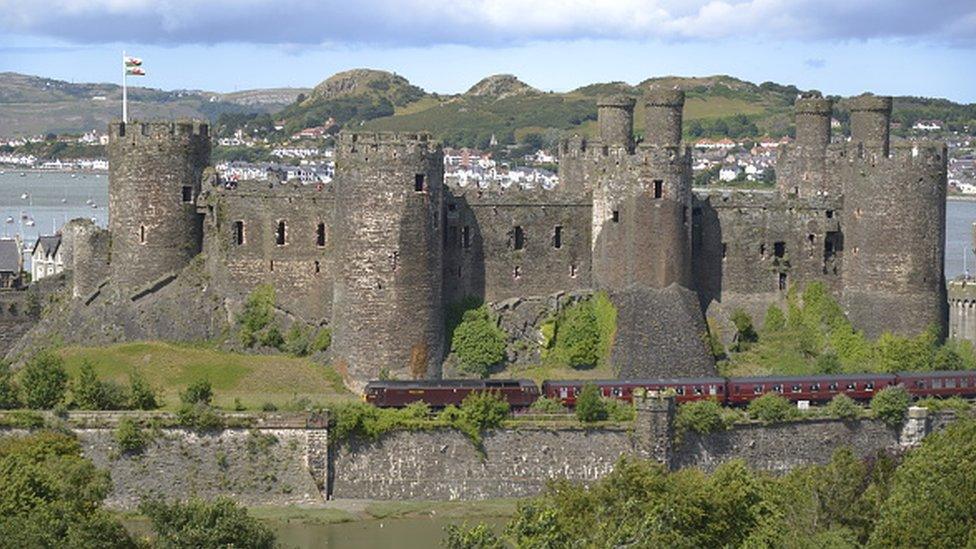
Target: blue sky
[838, 46]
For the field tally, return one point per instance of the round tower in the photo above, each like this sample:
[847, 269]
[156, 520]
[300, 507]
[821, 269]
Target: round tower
[813, 122]
[154, 179]
[802, 171]
[662, 117]
[894, 240]
[615, 117]
[387, 312]
[870, 122]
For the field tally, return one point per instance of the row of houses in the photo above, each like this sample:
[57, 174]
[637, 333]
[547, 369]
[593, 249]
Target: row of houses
[46, 257]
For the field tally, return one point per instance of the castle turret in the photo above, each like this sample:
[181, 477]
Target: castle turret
[802, 170]
[870, 123]
[894, 240]
[616, 121]
[642, 206]
[387, 311]
[662, 117]
[154, 179]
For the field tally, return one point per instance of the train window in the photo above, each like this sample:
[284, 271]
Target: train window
[617, 391]
[815, 387]
[950, 384]
[720, 389]
[699, 390]
[832, 387]
[852, 386]
[679, 390]
[869, 386]
[777, 388]
[563, 392]
[712, 390]
[936, 383]
[758, 389]
[797, 388]
[919, 384]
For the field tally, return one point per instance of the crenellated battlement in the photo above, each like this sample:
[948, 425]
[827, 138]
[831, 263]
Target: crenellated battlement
[380, 147]
[134, 132]
[663, 97]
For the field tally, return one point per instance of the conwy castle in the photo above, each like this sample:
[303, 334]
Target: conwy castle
[380, 253]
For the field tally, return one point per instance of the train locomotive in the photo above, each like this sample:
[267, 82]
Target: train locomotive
[733, 391]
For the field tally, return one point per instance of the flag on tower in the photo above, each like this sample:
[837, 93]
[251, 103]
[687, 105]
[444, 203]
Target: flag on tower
[133, 66]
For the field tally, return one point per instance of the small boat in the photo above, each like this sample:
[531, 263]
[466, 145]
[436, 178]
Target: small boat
[24, 196]
[23, 215]
[22, 174]
[10, 219]
[64, 200]
[74, 175]
[89, 202]
[94, 206]
[29, 223]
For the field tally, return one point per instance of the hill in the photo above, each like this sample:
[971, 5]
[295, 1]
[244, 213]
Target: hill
[31, 105]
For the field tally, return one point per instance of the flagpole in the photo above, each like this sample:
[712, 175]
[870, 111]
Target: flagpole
[125, 110]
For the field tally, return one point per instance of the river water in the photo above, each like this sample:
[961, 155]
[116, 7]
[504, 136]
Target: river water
[52, 198]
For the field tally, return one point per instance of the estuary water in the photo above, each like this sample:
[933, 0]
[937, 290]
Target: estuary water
[37, 203]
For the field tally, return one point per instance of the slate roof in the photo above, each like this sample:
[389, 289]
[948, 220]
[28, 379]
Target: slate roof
[9, 256]
[49, 245]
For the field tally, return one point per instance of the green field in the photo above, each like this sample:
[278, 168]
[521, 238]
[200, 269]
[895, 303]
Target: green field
[254, 380]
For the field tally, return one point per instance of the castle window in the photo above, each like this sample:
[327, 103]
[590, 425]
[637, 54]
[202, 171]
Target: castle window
[830, 214]
[466, 237]
[239, 233]
[280, 234]
[318, 267]
[782, 281]
[572, 271]
[557, 237]
[616, 216]
[725, 250]
[518, 238]
[517, 273]
[320, 235]
[187, 194]
[142, 234]
[271, 265]
[418, 183]
[779, 249]
[762, 250]
[658, 188]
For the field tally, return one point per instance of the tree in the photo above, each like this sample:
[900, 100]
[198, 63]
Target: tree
[141, 395]
[589, 405]
[578, 336]
[196, 523]
[478, 342]
[771, 408]
[199, 392]
[890, 404]
[844, 407]
[745, 333]
[703, 416]
[478, 536]
[43, 381]
[89, 393]
[9, 397]
[484, 409]
[775, 321]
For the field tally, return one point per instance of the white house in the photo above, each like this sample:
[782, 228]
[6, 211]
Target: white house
[729, 172]
[46, 258]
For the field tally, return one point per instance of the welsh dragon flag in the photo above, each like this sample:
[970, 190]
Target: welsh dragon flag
[133, 66]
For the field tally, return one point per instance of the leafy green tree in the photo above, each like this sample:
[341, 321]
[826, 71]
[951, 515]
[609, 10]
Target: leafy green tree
[702, 416]
[745, 333]
[213, 524]
[775, 320]
[545, 405]
[129, 436]
[578, 336]
[933, 494]
[323, 340]
[9, 392]
[843, 407]
[198, 392]
[43, 381]
[890, 405]
[90, 393]
[484, 409]
[771, 408]
[141, 395]
[590, 405]
[478, 536]
[478, 342]
[827, 363]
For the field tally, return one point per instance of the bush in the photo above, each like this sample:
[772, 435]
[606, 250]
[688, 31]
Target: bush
[578, 336]
[296, 341]
[9, 398]
[257, 314]
[478, 342]
[484, 409]
[272, 338]
[43, 381]
[129, 436]
[956, 404]
[200, 417]
[199, 392]
[217, 523]
[771, 408]
[141, 395]
[323, 340]
[827, 363]
[590, 406]
[702, 416]
[618, 410]
[890, 404]
[476, 537]
[546, 405]
[844, 407]
[775, 320]
[89, 393]
[745, 333]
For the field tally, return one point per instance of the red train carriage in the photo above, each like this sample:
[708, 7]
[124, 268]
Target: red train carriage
[519, 393]
[686, 389]
[742, 390]
[939, 384]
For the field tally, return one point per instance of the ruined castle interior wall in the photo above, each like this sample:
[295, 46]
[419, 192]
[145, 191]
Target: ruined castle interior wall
[501, 243]
[894, 223]
[387, 222]
[280, 236]
[154, 178]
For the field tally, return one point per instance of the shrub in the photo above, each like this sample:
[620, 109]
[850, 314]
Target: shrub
[323, 340]
[141, 395]
[775, 320]
[745, 333]
[702, 416]
[827, 363]
[9, 398]
[578, 336]
[272, 338]
[200, 417]
[957, 404]
[476, 537]
[257, 314]
[43, 381]
[296, 341]
[590, 406]
[484, 409]
[478, 342]
[618, 410]
[129, 436]
[771, 408]
[843, 407]
[217, 523]
[198, 392]
[269, 407]
[546, 405]
[890, 404]
[89, 393]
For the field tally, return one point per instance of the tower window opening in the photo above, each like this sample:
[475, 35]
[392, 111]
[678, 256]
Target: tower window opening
[320, 235]
[762, 250]
[517, 273]
[518, 238]
[142, 234]
[616, 216]
[239, 233]
[418, 183]
[830, 214]
[466, 237]
[779, 249]
[572, 271]
[318, 267]
[280, 234]
[658, 188]
[271, 265]
[725, 250]
[187, 194]
[782, 281]
[557, 237]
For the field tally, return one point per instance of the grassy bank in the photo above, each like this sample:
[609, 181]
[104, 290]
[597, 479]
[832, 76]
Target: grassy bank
[251, 380]
[337, 511]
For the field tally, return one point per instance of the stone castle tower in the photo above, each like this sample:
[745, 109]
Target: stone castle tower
[154, 179]
[387, 310]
